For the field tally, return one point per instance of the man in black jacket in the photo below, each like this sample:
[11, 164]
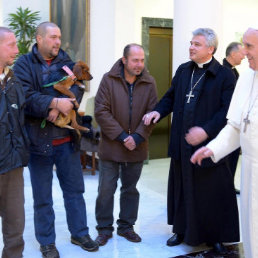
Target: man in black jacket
[201, 203]
[50, 144]
[234, 56]
[14, 153]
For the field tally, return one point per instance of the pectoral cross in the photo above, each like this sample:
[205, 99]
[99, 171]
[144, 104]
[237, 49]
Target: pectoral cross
[246, 121]
[189, 96]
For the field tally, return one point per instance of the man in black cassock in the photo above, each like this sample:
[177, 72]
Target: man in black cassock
[234, 56]
[202, 204]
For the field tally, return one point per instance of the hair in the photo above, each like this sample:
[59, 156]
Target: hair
[127, 49]
[253, 27]
[210, 36]
[233, 46]
[4, 30]
[42, 28]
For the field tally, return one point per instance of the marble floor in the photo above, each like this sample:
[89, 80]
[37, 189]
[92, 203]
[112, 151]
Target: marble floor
[151, 224]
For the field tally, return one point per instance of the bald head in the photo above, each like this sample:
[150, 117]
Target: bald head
[42, 28]
[3, 31]
[253, 28]
[128, 48]
[8, 48]
[48, 37]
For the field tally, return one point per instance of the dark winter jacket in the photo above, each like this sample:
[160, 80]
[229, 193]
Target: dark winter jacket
[116, 115]
[211, 108]
[232, 68]
[13, 137]
[34, 72]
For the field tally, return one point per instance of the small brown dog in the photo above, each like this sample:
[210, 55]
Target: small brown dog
[80, 72]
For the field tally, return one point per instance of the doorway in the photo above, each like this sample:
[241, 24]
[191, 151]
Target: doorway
[158, 49]
[160, 67]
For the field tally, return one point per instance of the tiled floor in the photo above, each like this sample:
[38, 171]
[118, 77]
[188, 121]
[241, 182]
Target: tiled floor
[151, 223]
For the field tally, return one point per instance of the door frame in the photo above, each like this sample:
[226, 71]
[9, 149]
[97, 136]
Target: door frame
[148, 22]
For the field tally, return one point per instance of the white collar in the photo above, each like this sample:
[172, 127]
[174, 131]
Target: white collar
[2, 76]
[200, 65]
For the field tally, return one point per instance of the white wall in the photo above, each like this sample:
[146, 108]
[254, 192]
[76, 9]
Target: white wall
[129, 19]
[114, 24]
[188, 16]
[238, 15]
[10, 6]
[102, 43]
[229, 19]
[153, 9]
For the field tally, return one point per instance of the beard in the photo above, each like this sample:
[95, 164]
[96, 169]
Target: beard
[133, 71]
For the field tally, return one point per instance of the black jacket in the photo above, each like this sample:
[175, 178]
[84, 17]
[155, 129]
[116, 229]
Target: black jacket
[232, 68]
[13, 137]
[34, 72]
[211, 108]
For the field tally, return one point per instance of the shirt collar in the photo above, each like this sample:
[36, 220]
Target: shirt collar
[200, 65]
[2, 76]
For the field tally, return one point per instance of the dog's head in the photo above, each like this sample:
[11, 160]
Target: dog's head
[81, 71]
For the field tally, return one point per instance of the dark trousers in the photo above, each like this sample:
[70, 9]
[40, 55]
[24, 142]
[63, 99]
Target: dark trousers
[109, 172]
[69, 173]
[12, 212]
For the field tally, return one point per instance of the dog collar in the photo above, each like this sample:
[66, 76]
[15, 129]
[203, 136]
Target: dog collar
[69, 72]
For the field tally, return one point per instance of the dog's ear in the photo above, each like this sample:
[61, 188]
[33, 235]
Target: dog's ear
[77, 70]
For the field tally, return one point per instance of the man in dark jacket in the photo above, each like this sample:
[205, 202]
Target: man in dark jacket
[234, 56]
[50, 144]
[202, 204]
[125, 94]
[14, 153]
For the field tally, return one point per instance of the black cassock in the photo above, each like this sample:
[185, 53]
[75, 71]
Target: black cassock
[201, 199]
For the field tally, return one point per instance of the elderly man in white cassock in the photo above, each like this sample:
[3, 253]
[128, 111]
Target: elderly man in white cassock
[242, 130]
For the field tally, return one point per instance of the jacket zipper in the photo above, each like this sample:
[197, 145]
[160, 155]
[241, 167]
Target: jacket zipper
[130, 106]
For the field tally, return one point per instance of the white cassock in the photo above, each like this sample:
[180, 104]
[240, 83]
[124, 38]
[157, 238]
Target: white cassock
[245, 98]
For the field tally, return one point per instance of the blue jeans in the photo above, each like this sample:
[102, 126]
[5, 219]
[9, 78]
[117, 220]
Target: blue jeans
[109, 172]
[69, 173]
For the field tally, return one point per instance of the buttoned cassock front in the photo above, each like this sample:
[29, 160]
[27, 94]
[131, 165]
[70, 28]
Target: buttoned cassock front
[201, 200]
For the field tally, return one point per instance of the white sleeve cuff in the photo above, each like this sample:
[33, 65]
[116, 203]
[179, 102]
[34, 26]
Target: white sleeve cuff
[227, 141]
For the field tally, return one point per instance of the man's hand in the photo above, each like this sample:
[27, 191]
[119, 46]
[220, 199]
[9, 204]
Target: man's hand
[201, 154]
[129, 143]
[64, 105]
[53, 114]
[195, 136]
[151, 117]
